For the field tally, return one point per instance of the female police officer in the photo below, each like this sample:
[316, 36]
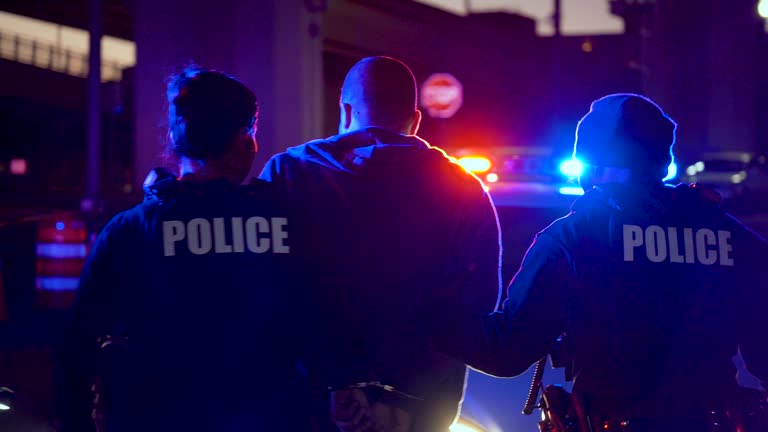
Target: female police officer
[199, 278]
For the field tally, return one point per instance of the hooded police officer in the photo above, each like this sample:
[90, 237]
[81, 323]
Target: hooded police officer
[655, 288]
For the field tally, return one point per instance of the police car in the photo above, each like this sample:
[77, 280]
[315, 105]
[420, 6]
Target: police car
[531, 177]
[524, 176]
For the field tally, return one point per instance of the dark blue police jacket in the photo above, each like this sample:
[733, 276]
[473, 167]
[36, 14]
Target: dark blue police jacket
[199, 289]
[655, 288]
[395, 223]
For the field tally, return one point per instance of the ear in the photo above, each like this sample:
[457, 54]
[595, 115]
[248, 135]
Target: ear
[416, 123]
[346, 116]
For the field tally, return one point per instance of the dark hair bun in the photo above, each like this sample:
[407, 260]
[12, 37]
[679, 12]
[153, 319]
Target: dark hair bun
[207, 111]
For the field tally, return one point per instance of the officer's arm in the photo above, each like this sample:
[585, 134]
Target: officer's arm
[275, 171]
[507, 342]
[753, 313]
[477, 254]
[92, 313]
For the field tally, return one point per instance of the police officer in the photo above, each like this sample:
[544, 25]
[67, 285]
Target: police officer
[653, 288]
[187, 307]
[395, 224]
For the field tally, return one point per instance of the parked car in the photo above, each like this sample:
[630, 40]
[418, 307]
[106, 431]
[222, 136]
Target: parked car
[738, 176]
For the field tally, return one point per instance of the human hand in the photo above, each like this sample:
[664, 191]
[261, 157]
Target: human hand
[156, 175]
[350, 411]
[389, 418]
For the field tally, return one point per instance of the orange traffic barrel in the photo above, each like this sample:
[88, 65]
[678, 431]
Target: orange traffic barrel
[62, 248]
[3, 306]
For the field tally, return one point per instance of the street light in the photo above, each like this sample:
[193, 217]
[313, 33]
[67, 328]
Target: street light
[762, 8]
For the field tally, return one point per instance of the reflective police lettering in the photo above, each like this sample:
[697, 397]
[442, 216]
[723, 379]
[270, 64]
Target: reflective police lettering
[221, 235]
[704, 246]
[689, 251]
[633, 237]
[173, 231]
[256, 244]
[199, 236]
[237, 234]
[655, 244]
[725, 247]
[279, 235]
[674, 249]
[704, 238]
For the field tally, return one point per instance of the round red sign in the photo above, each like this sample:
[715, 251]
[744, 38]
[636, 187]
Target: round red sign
[441, 95]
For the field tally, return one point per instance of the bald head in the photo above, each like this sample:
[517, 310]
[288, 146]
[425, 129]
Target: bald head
[379, 91]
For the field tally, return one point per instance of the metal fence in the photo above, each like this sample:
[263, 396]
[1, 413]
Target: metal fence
[46, 55]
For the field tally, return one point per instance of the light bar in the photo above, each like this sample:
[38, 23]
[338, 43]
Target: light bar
[571, 190]
[475, 164]
[571, 167]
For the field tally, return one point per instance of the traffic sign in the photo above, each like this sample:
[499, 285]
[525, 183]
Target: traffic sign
[441, 95]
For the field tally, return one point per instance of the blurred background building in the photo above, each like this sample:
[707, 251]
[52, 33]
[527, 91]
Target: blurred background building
[74, 150]
[525, 79]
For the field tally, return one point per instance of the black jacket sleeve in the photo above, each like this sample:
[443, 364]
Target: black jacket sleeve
[507, 342]
[752, 316]
[477, 253]
[276, 172]
[93, 316]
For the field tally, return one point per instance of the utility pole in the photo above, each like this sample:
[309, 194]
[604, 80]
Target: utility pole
[637, 17]
[557, 17]
[556, 62]
[93, 175]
